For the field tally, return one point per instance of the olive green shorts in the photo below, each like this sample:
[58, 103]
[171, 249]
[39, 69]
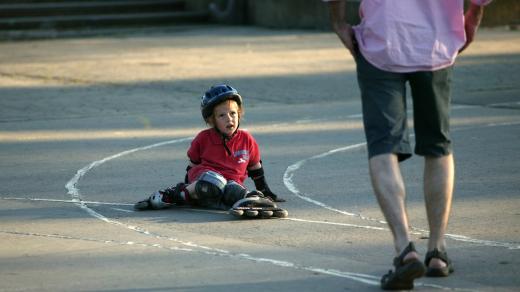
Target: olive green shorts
[385, 114]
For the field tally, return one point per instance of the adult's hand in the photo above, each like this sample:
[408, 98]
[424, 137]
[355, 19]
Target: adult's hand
[340, 26]
[346, 35]
[472, 20]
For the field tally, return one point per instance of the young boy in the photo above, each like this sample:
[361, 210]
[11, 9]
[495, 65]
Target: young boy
[221, 157]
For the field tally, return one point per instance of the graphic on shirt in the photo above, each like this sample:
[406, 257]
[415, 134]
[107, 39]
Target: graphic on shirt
[242, 155]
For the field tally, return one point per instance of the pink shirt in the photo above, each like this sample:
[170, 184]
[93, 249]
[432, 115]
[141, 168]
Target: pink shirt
[411, 35]
[208, 153]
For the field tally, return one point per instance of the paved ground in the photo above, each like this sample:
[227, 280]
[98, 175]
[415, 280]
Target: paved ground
[90, 125]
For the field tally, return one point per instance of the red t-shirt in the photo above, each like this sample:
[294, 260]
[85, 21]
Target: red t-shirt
[207, 152]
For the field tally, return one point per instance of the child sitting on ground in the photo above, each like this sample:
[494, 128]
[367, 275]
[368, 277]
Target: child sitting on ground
[221, 157]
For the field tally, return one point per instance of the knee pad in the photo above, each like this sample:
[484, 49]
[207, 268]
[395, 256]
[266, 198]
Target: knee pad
[209, 188]
[233, 192]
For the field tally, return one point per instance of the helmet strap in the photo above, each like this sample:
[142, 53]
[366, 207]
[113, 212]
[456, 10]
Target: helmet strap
[226, 138]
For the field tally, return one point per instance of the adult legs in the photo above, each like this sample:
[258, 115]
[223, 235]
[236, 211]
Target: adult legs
[439, 173]
[389, 188]
[431, 96]
[385, 121]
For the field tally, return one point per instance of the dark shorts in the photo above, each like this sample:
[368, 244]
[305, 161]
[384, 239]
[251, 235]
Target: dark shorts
[383, 96]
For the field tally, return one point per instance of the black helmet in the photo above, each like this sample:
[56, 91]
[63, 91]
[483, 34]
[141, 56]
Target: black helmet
[215, 95]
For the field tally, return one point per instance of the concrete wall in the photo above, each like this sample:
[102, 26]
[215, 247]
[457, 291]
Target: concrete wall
[313, 14]
[502, 12]
[305, 14]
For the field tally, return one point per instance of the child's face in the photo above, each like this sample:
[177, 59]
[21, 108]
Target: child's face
[226, 117]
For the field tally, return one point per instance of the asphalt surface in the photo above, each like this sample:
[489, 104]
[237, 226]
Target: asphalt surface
[90, 125]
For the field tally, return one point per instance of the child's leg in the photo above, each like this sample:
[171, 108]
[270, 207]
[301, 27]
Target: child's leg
[232, 193]
[208, 189]
[175, 195]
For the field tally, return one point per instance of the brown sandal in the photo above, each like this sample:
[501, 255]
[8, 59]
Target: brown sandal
[405, 272]
[438, 272]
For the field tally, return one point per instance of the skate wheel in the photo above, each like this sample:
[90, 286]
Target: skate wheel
[281, 213]
[251, 213]
[266, 214]
[236, 213]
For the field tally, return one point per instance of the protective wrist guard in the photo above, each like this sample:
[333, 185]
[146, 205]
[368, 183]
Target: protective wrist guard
[258, 178]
